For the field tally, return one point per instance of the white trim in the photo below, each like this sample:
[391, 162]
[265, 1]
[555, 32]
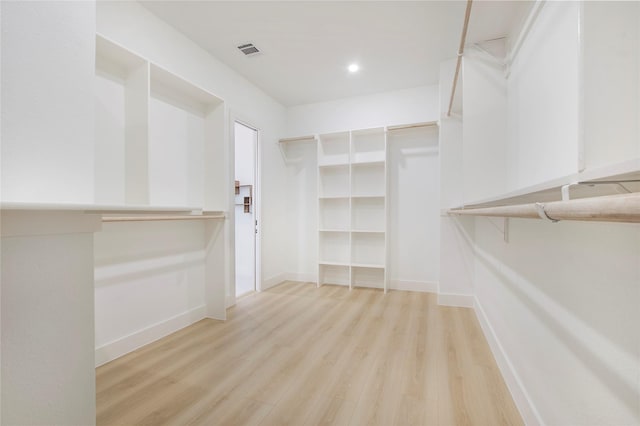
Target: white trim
[455, 300]
[236, 117]
[521, 398]
[421, 286]
[229, 301]
[302, 277]
[137, 339]
[273, 281]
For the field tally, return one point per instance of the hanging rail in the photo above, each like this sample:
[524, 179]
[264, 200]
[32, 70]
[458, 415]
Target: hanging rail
[610, 208]
[414, 125]
[463, 40]
[298, 139]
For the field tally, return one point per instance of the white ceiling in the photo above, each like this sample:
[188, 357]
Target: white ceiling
[306, 46]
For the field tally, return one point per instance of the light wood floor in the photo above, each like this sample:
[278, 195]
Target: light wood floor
[297, 355]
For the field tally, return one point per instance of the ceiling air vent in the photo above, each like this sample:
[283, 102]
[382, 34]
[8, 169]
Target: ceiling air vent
[249, 49]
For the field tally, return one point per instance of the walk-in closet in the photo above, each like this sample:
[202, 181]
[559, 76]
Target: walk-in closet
[308, 212]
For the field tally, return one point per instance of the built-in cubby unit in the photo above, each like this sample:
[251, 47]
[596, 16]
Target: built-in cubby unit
[368, 214]
[368, 146]
[352, 208]
[333, 149]
[368, 180]
[334, 274]
[333, 181]
[334, 248]
[159, 137]
[368, 249]
[334, 214]
[368, 277]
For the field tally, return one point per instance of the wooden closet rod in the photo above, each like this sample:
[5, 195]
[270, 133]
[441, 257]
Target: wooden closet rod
[610, 208]
[298, 139]
[411, 126]
[463, 40]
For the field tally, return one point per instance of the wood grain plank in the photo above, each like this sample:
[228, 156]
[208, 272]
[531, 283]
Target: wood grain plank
[302, 355]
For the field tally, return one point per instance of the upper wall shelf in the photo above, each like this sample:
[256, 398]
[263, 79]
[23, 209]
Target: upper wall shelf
[159, 138]
[628, 171]
[98, 208]
[168, 86]
[114, 59]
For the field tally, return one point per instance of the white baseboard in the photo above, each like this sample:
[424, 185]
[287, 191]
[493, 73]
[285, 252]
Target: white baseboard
[135, 340]
[421, 286]
[302, 277]
[273, 281]
[455, 300]
[529, 414]
[229, 301]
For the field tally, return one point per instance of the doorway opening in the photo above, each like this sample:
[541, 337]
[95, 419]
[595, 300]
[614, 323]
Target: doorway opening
[246, 145]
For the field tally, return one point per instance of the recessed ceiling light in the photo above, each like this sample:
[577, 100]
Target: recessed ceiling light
[353, 68]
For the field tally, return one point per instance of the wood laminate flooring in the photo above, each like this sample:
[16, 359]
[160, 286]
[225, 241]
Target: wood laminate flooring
[301, 355]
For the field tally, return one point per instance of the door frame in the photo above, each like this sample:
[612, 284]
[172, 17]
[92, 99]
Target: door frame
[257, 204]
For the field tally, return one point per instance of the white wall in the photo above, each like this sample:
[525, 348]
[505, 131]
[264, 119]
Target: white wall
[47, 156]
[364, 112]
[48, 374]
[302, 210]
[175, 178]
[611, 81]
[145, 274]
[172, 272]
[484, 100]
[414, 209]
[47, 90]
[455, 285]
[543, 99]
[109, 141]
[563, 300]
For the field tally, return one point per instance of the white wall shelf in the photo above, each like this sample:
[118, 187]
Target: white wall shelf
[333, 149]
[352, 208]
[159, 138]
[549, 191]
[331, 263]
[368, 265]
[100, 208]
[369, 163]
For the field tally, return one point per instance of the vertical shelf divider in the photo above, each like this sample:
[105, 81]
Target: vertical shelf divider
[319, 206]
[137, 91]
[386, 211]
[350, 211]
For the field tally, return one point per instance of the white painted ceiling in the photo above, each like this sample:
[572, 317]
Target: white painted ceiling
[306, 46]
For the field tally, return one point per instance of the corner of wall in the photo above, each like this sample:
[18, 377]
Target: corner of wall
[521, 398]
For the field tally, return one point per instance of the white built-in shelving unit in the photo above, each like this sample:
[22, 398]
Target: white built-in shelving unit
[161, 159]
[352, 208]
[159, 137]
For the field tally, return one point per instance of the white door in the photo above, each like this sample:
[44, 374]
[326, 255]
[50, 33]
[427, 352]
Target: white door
[246, 140]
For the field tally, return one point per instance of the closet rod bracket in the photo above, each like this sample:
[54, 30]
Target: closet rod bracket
[543, 214]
